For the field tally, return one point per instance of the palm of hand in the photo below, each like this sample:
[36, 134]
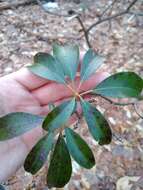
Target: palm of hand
[25, 92]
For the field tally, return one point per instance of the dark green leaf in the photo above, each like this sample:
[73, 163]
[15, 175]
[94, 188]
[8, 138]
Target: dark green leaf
[68, 56]
[120, 85]
[38, 155]
[91, 62]
[79, 149]
[59, 115]
[2, 187]
[15, 124]
[98, 126]
[46, 66]
[60, 168]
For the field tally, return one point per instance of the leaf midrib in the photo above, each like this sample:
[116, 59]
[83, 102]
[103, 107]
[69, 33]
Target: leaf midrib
[85, 71]
[77, 149]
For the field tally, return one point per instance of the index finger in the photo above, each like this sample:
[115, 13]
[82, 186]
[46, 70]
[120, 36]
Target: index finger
[32, 81]
[29, 80]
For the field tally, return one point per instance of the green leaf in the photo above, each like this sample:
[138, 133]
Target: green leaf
[60, 168]
[68, 56]
[79, 149]
[120, 85]
[98, 126]
[46, 66]
[59, 115]
[91, 62]
[39, 153]
[2, 187]
[15, 124]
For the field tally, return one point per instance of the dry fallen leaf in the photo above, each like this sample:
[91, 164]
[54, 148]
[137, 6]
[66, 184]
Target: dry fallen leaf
[124, 183]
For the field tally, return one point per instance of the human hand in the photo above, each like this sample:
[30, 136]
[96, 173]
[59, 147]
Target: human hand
[24, 92]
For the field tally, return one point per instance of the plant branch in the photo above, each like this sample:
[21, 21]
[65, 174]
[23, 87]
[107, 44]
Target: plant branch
[109, 6]
[134, 104]
[113, 16]
[131, 5]
[108, 99]
[84, 30]
[100, 20]
[115, 103]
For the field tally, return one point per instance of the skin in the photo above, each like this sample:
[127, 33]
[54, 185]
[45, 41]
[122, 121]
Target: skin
[22, 91]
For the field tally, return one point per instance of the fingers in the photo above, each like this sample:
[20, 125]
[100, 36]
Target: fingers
[51, 93]
[31, 81]
[28, 79]
[54, 92]
[32, 137]
[37, 110]
[93, 81]
[45, 108]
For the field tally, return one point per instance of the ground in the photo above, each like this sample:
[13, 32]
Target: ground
[27, 30]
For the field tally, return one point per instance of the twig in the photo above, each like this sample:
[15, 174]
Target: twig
[113, 16]
[84, 30]
[109, 18]
[101, 20]
[131, 5]
[107, 99]
[109, 6]
[134, 104]
[136, 110]
[115, 103]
